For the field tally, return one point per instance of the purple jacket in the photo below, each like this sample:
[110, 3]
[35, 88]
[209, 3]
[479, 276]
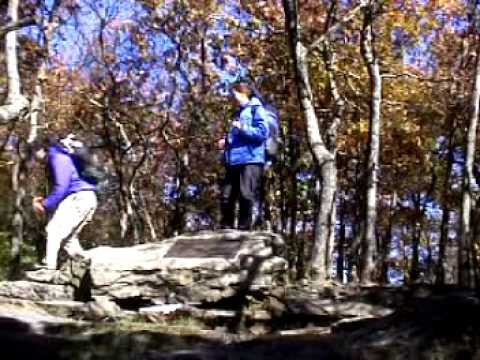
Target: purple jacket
[65, 176]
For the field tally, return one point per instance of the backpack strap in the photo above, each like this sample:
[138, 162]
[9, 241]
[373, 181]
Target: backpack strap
[272, 129]
[254, 110]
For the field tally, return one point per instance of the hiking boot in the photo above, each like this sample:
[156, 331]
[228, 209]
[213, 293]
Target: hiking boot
[42, 275]
[40, 266]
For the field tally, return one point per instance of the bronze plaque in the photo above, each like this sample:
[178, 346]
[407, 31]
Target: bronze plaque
[204, 248]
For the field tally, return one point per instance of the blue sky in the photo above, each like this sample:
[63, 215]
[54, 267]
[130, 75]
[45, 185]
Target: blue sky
[76, 46]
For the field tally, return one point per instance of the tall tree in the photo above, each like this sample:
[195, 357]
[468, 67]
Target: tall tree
[21, 158]
[323, 149]
[368, 253]
[465, 277]
[16, 102]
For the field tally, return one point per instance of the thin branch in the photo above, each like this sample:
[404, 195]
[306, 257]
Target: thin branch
[317, 43]
[29, 21]
[410, 75]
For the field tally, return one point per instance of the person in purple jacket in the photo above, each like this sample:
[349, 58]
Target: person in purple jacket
[70, 204]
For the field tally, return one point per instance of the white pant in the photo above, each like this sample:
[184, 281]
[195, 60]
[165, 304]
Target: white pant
[67, 221]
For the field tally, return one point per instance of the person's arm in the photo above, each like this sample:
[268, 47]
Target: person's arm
[37, 204]
[258, 131]
[61, 167]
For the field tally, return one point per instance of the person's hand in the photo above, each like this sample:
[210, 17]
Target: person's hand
[37, 205]
[221, 144]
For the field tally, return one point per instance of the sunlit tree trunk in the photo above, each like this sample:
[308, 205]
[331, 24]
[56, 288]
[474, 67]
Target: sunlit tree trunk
[465, 277]
[16, 103]
[148, 218]
[353, 256]
[20, 177]
[387, 241]
[19, 173]
[367, 272]
[325, 159]
[342, 241]
[329, 58]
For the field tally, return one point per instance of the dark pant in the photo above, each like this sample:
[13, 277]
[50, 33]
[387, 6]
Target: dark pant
[264, 217]
[243, 182]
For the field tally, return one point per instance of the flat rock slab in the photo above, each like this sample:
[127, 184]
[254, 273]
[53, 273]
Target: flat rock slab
[35, 291]
[203, 267]
[328, 307]
[216, 250]
[205, 248]
[206, 266]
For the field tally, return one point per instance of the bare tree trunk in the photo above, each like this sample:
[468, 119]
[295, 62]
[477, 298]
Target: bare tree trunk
[16, 103]
[465, 278]
[148, 218]
[475, 247]
[282, 226]
[292, 200]
[317, 145]
[417, 230]
[20, 176]
[127, 227]
[203, 57]
[342, 240]
[38, 103]
[19, 184]
[300, 266]
[353, 257]
[18, 222]
[178, 221]
[442, 246]
[321, 256]
[387, 241]
[367, 273]
[17, 25]
[19, 173]
[444, 227]
[329, 58]
[322, 150]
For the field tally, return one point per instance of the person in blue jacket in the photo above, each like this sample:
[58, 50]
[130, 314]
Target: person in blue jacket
[244, 158]
[70, 204]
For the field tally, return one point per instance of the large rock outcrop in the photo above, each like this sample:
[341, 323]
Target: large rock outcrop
[204, 267]
[207, 266]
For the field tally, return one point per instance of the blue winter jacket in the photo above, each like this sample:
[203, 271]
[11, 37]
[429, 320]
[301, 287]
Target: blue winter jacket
[65, 177]
[247, 144]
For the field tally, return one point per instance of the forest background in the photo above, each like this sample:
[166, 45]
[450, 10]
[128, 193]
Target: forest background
[378, 101]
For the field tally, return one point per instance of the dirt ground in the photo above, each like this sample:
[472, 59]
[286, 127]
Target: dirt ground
[424, 323]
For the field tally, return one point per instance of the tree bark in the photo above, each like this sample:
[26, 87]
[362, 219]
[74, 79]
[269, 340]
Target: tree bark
[324, 158]
[444, 227]
[13, 26]
[465, 277]
[292, 200]
[367, 273]
[417, 231]
[19, 173]
[16, 103]
[387, 241]
[342, 241]
[18, 221]
[178, 220]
